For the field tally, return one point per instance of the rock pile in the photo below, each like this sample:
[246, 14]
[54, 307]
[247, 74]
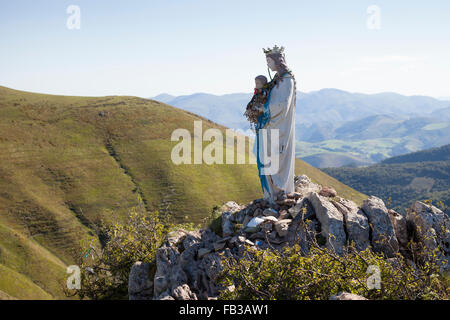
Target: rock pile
[188, 264]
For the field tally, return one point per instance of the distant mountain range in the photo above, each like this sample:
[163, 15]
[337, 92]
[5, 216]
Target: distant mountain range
[423, 175]
[338, 128]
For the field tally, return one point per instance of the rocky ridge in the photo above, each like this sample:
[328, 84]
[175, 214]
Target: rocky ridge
[188, 264]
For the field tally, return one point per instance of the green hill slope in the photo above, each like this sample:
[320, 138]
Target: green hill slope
[66, 163]
[434, 154]
[423, 175]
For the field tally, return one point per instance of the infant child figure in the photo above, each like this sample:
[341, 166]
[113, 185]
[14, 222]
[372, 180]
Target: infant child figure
[256, 106]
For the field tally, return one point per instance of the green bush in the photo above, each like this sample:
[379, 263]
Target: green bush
[286, 274]
[105, 272]
[214, 221]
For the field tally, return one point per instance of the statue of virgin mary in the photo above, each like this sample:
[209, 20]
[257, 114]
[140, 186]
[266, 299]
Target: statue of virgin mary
[279, 115]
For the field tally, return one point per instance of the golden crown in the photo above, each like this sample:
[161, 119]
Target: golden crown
[275, 49]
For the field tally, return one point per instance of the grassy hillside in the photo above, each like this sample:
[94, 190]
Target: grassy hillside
[434, 154]
[423, 175]
[66, 163]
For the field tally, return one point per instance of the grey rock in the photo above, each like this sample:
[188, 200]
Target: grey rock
[346, 296]
[282, 226]
[383, 234]
[287, 202]
[250, 243]
[295, 210]
[169, 272]
[294, 195]
[175, 237]
[356, 223]
[240, 216]
[183, 292]
[305, 186]
[400, 228]
[257, 235]
[140, 286]
[270, 212]
[268, 226]
[257, 212]
[298, 234]
[208, 238]
[246, 221]
[165, 296]
[255, 222]
[251, 229]
[283, 215]
[331, 220]
[270, 218]
[212, 266]
[328, 192]
[203, 252]
[192, 239]
[227, 223]
[161, 283]
[219, 246]
[230, 206]
[431, 226]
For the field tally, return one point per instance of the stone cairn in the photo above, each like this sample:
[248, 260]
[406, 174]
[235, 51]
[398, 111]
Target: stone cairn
[188, 263]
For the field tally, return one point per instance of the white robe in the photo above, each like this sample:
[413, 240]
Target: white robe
[280, 111]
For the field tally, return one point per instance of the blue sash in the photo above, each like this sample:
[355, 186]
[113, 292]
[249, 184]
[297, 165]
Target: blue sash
[263, 119]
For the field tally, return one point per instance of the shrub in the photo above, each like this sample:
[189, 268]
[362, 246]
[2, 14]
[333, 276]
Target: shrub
[105, 272]
[287, 274]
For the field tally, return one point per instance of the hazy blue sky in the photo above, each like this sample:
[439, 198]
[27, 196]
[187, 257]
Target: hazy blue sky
[180, 47]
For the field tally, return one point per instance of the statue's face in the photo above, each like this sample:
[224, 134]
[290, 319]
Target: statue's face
[271, 64]
[258, 84]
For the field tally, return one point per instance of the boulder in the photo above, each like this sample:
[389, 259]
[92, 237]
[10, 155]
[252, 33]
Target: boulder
[219, 246]
[255, 222]
[183, 292]
[282, 226]
[270, 212]
[283, 215]
[356, 223]
[246, 221]
[258, 212]
[168, 273]
[328, 192]
[346, 296]
[431, 226]
[229, 218]
[250, 243]
[304, 185]
[230, 206]
[294, 195]
[208, 238]
[399, 224]
[227, 223]
[175, 237]
[301, 234]
[287, 202]
[165, 296]
[191, 239]
[270, 218]
[331, 220]
[383, 234]
[251, 229]
[203, 252]
[140, 285]
[295, 210]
